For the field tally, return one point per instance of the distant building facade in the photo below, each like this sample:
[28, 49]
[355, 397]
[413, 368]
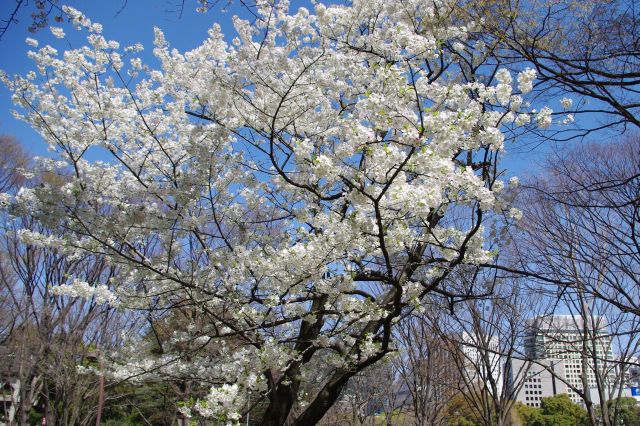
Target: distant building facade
[485, 365]
[563, 359]
[631, 379]
[539, 381]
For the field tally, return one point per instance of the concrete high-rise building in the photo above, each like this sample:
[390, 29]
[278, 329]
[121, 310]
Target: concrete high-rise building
[567, 352]
[537, 380]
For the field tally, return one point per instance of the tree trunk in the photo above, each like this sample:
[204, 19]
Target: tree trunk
[324, 400]
[280, 405]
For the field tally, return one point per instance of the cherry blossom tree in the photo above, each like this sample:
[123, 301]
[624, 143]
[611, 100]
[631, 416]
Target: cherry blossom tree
[301, 187]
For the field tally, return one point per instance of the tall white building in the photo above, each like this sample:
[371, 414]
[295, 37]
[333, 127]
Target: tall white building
[484, 362]
[558, 341]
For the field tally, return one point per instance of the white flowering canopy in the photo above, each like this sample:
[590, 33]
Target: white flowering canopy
[300, 188]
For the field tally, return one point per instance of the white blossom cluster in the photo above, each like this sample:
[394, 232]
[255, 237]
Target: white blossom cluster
[100, 293]
[544, 117]
[222, 402]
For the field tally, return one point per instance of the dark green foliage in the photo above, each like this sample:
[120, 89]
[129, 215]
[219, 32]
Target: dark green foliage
[556, 410]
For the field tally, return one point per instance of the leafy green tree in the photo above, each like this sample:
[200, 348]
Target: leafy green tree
[556, 410]
[561, 405]
[528, 415]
